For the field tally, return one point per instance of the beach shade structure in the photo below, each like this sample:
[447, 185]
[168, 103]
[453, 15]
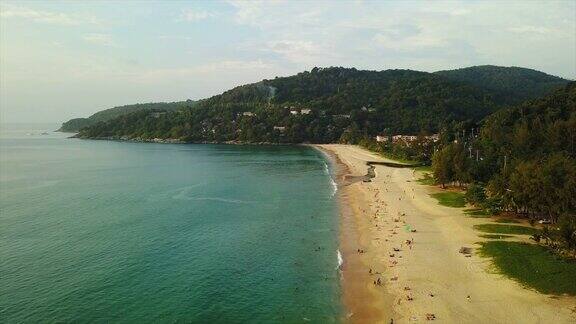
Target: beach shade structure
[465, 250]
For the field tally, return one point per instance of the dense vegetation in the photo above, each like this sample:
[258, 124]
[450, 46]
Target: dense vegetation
[345, 105]
[76, 124]
[514, 84]
[523, 160]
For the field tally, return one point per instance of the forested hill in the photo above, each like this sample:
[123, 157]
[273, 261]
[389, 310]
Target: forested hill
[76, 124]
[321, 105]
[515, 83]
[525, 158]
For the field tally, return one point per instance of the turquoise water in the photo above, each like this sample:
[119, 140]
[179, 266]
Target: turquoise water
[100, 231]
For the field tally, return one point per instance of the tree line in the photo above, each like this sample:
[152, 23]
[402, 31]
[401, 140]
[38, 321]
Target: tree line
[523, 160]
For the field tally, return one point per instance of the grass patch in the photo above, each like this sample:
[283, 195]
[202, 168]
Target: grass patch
[477, 213]
[450, 199]
[427, 180]
[424, 168]
[495, 236]
[506, 221]
[505, 229]
[533, 266]
[398, 159]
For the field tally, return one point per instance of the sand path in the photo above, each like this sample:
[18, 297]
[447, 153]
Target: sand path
[438, 277]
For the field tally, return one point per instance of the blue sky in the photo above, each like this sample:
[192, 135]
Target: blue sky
[60, 60]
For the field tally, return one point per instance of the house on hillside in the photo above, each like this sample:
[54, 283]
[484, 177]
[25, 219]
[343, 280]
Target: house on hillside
[406, 139]
[341, 116]
[157, 114]
[434, 138]
[294, 112]
[280, 128]
[248, 114]
[410, 139]
[305, 111]
[382, 138]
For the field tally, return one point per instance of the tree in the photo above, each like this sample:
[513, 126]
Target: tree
[476, 194]
[442, 166]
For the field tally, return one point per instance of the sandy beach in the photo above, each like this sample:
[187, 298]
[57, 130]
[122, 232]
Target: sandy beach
[394, 231]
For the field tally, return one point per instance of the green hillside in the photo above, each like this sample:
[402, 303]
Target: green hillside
[344, 104]
[76, 124]
[516, 84]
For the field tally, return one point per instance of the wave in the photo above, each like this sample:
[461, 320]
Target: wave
[340, 260]
[334, 184]
[190, 193]
[184, 192]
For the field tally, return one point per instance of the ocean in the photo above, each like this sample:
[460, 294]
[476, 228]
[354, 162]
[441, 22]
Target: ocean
[103, 231]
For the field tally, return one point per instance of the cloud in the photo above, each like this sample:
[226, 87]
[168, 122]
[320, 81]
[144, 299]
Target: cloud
[247, 12]
[530, 29]
[195, 15]
[38, 16]
[99, 39]
[175, 37]
[298, 51]
[212, 67]
[419, 41]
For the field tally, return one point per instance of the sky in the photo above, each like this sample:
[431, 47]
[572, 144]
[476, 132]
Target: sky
[66, 59]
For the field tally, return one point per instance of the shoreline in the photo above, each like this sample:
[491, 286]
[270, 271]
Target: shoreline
[179, 141]
[427, 278]
[362, 303]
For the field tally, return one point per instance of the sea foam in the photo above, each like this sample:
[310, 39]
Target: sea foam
[334, 184]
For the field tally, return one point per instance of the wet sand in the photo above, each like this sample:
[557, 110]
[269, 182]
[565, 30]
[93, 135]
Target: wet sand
[429, 277]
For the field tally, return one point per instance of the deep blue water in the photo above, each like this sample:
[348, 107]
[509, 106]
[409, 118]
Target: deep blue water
[101, 231]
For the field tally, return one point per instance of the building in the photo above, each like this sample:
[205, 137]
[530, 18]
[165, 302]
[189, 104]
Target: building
[381, 138]
[341, 116]
[409, 139]
[294, 112]
[434, 137]
[248, 114]
[157, 114]
[404, 138]
[279, 128]
[305, 111]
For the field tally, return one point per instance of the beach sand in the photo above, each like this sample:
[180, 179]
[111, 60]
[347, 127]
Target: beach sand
[378, 216]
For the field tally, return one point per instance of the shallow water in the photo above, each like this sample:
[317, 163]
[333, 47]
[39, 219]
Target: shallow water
[99, 231]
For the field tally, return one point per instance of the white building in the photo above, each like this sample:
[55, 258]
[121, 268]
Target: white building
[305, 111]
[248, 113]
[158, 114]
[434, 138]
[404, 138]
[381, 138]
[294, 112]
[279, 128]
